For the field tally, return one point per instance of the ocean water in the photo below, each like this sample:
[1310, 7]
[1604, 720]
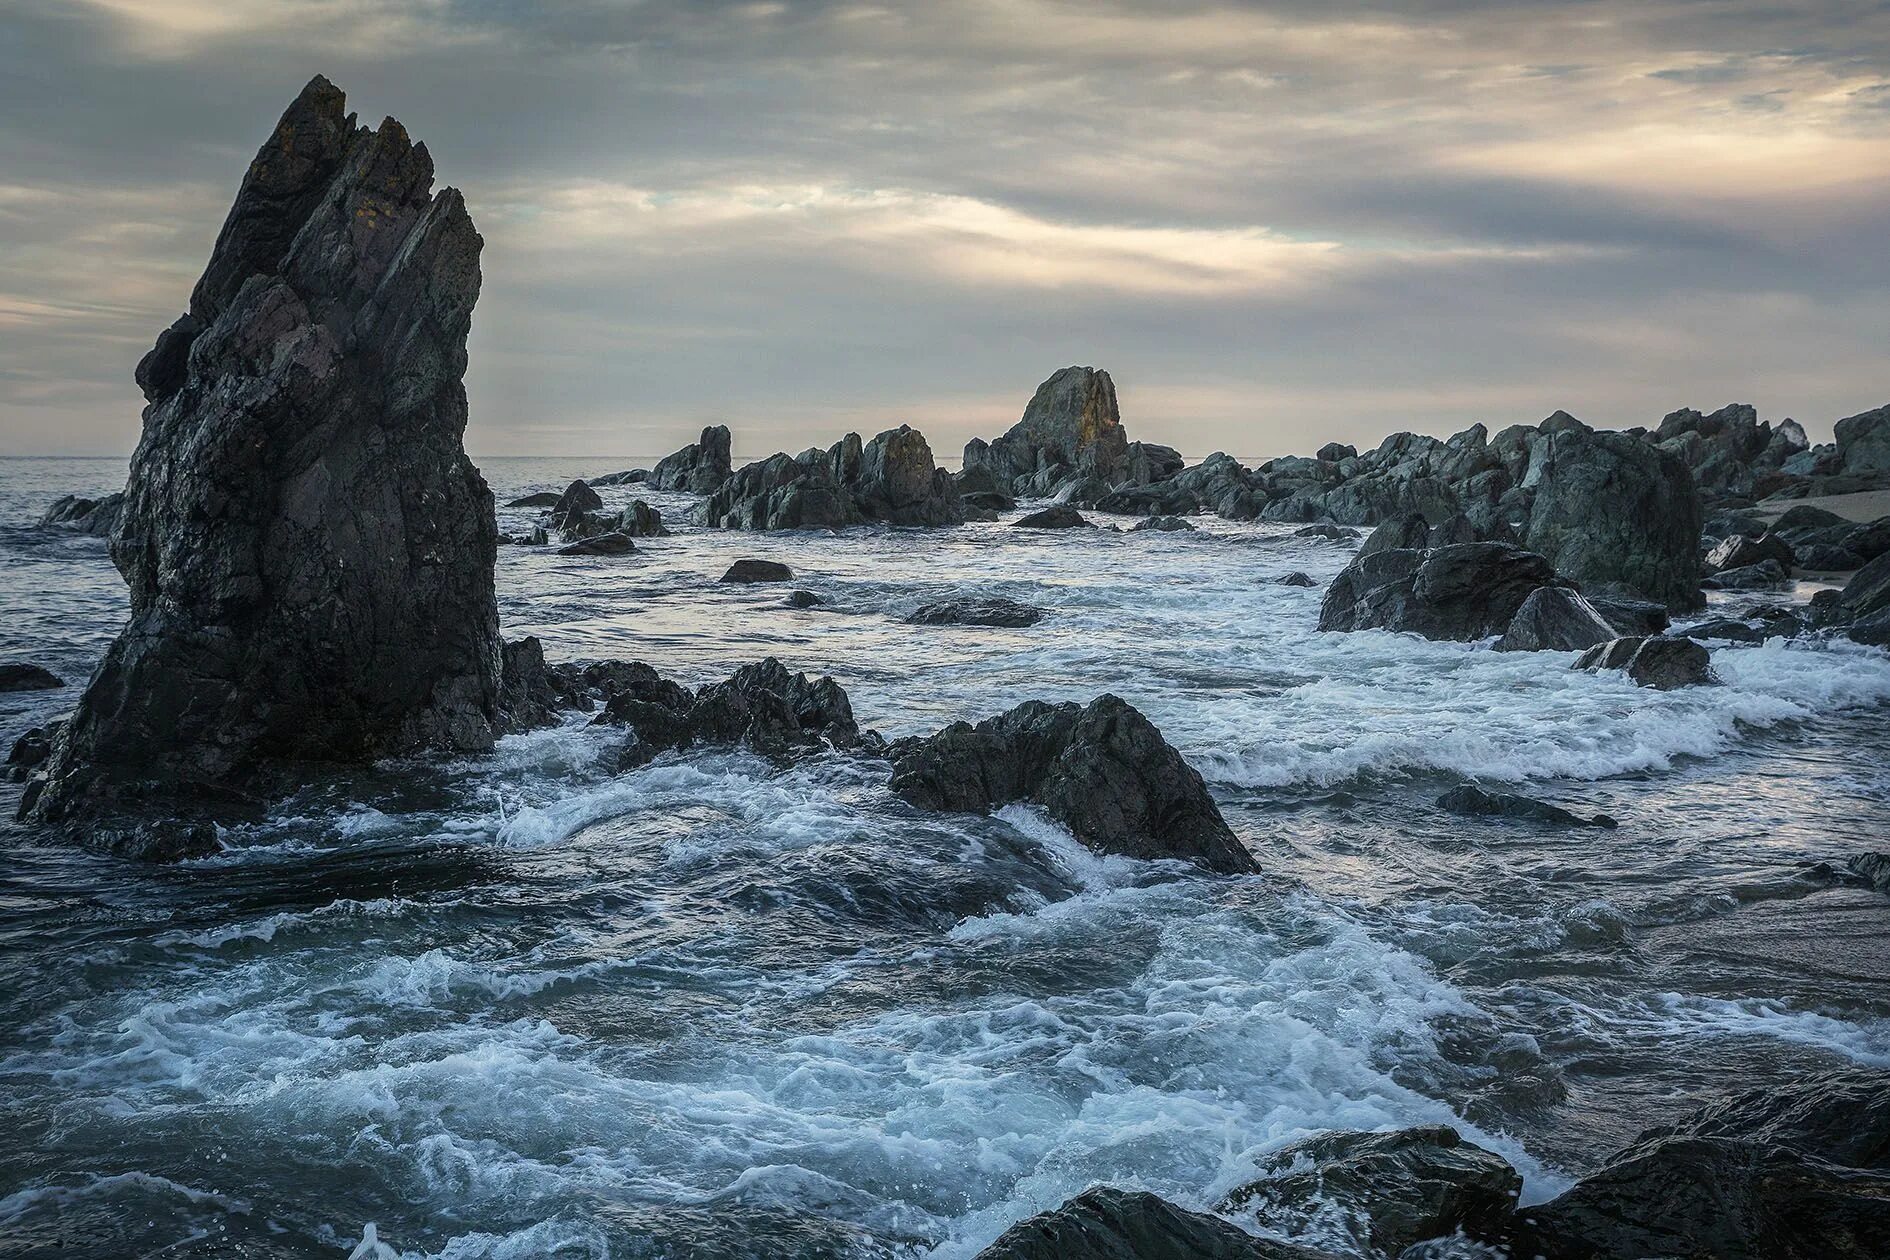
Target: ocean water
[522, 1005]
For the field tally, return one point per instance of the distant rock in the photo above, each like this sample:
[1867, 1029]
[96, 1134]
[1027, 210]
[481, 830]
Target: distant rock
[699, 468]
[1102, 770]
[1475, 802]
[1331, 533]
[97, 517]
[1463, 592]
[1105, 1223]
[761, 706]
[19, 676]
[1071, 428]
[542, 499]
[1388, 1191]
[804, 599]
[749, 571]
[993, 501]
[1662, 662]
[1863, 441]
[1555, 619]
[1295, 578]
[891, 480]
[1611, 510]
[993, 610]
[611, 544]
[576, 500]
[629, 477]
[1059, 517]
[309, 551]
[1163, 524]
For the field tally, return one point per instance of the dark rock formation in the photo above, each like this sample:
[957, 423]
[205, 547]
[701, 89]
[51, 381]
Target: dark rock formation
[1164, 524]
[1105, 1223]
[1731, 453]
[1863, 441]
[1828, 558]
[576, 500]
[1630, 616]
[532, 693]
[1555, 619]
[1473, 801]
[629, 477]
[19, 676]
[1404, 533]
[1767, 575]
[990, 610]
[1331, 533]
[1391, 1190]
[1739, 550]
[97, 517]
[1725, 628]
[891, 479]
[1874, 867]
[1295, 578]
[1800, 1172]
[1612, 511]
[804, 599]
[748, 571]
[1468, 591]
[699, 468]
[1071, 429]
[639, 520]
[29, 751]
[1662, 662]
[992, 501]
[760, 706]
[1103, 771]
[543, 499]
[1058, 517]
[614, 543]
[308, 548]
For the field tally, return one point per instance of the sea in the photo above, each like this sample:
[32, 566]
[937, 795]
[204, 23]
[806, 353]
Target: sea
[522, 1004]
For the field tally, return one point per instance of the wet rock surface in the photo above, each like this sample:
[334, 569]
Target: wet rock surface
[309, 551]
[762, 707]
[1662, 662]
[743, 572]
[1466, 591]
[1059, 517]
[1106, 1223]
[1555, 619]
[1102, 770]
[993, 610]
[699, 468]
[97, 517]
[1473, 801]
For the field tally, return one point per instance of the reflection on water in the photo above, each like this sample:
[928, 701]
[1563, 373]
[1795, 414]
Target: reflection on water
[522, 1005]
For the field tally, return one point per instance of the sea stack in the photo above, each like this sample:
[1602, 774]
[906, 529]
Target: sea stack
[309, 550]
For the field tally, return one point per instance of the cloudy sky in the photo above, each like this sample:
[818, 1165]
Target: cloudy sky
[1275, 223]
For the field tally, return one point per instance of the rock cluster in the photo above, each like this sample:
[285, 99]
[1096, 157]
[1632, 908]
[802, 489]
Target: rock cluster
[890, 480]
[308, 548]
[762, 707]
[1102, 770]
[1465, 591]
[699, 468]
[1662, 662]
[97, 517]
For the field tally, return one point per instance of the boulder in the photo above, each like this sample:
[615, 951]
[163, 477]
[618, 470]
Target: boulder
[1767, 575]
[1473, 801]
[1384, 1191]
[614, 543]
[1555, 619]
[1104, 771]
[576, 500]
[1630, 616]
[1405, 533]
[699, 468]
[629, 477]
[1870, 540]
[1826, 558]
[1295, 578]
[993, 501]
[1464, 592]
[1331, 533]
[1793, 1172]
[1863, 441]
[1149, 462]
[992, 610]
[1071, 423]
[531, 692]
[1163, 524]
[543, 499]
[97, 517]
[804, 599]
[29, 751]
[1663, 662]
[1104, 1223]
[309, 551]
[19, 676]
[1725, 628]
[1802, 516]
[1611, 510]
[750, 571]
[1058, 517]
[761, 706]
[1740, 550]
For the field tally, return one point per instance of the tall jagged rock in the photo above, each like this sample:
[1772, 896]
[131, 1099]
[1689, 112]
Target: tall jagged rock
[308, 547]
[1071, 428]
[699, 468]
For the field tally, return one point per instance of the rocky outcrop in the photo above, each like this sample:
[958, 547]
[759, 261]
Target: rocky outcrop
[699, 468]
[1102, 770]
[1862, 609]
[540, 499]
[988, 610]
[639, 520]
[1800, 1172]
[97, 517]
[1863, 441]
[1295, 578]
[1164, 525]
[309, 551]
[20, 676]
[531, 692]
[1662, 662]
[1105, 1223]
[745, 572]
[1732, 454]
[1555, 619]
[1059, 517]
[762, 707]
[29, 752]
[1071, 430]
[1400, 533]
[577, 499]
[1464, 592]
[1611, 511]
[890, 480]
[1736, 551]
[628, 477]
[1473, 801]
[1383, 1191]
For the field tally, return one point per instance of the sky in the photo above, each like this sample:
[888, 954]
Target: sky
[1275, 223]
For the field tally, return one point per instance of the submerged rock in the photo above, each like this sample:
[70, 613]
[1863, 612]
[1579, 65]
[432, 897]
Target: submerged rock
[804, 599]
[1295, 578]
[30, 751]
[1473, 801]
[20, 676]
[1102, 770]
[1662, 662]
[1105, 1223]
[543, 499]
[990, 610]
[1555, 619]
[615, 543]
[1463, 592]
[761, 706]
[699, 468]
[750, 571]
[1178, 524]
[1386, 1191]
[309, 551]
[1331, 533]
[1058, 517]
